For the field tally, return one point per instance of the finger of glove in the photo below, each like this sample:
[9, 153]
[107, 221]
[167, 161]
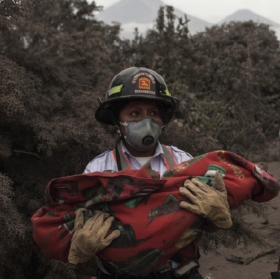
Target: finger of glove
[79, 219]
[113, 235]
[105, 227]
[93, 224]
[200, 185]
[190, 207]
[218, 183]
[196, 187]
[189, 194]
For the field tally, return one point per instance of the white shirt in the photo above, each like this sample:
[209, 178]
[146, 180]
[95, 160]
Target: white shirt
[106, 160]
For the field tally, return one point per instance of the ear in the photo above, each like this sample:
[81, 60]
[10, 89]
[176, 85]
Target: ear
[163, 128]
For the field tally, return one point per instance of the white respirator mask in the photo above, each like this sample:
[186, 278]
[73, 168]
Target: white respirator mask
[142, 134]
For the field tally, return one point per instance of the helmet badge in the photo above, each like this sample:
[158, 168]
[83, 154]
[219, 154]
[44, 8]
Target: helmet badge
[144, 83]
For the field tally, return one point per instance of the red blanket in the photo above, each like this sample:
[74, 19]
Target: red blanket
[153, 226]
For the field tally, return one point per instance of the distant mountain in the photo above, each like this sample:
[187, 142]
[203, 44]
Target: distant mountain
[142, 14]
[246, 15]
[127, 11]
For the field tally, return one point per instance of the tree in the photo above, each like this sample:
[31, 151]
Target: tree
[236, 78]
[56, 59]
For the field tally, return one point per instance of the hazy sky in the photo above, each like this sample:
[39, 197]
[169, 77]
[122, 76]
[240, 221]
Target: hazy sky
[215, 10]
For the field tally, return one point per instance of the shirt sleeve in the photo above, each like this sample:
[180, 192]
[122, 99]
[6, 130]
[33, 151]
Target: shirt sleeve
[180, 155]
[102, 162]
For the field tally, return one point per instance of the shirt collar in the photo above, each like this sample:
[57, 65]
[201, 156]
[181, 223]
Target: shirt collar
[159, 151]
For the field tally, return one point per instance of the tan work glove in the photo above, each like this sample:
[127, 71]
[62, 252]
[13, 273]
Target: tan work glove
[90, 237]
[209, 202]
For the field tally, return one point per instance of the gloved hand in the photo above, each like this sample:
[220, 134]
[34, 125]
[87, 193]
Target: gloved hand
[209, 202]
[90, 237]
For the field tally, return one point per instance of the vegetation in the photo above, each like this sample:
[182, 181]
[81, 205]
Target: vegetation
[56, 60]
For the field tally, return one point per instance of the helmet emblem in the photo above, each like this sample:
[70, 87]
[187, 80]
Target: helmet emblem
[144, 83]
[151, 78]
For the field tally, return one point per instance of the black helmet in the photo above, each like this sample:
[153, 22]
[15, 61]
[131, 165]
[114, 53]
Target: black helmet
[136, 83]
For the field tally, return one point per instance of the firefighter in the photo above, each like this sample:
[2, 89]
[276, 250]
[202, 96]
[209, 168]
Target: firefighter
[139, 104]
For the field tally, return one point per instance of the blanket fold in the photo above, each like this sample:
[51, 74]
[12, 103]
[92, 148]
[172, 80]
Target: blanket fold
[153, 226]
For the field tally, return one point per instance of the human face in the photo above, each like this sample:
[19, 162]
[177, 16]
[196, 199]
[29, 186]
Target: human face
[141, 127]
[136, 110]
